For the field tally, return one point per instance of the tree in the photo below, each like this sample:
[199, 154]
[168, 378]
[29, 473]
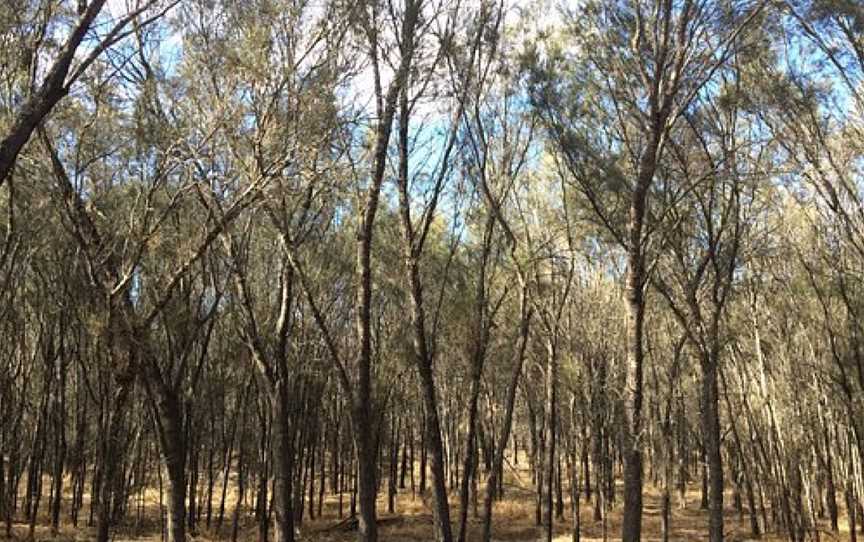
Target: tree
[651, 65]
[63, 72]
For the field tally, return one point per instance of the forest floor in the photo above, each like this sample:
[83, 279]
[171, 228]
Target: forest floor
[514, 521]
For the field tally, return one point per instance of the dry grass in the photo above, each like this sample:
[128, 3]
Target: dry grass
[412, 521]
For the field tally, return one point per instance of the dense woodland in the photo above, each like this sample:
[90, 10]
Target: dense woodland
[297, 269]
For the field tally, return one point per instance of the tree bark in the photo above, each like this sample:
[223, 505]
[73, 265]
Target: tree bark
[367, 453]
[173, 446]
[551, 426]
[711, 436]
[109, 452]
[283, 467]
[632, 520]
[631, 527]
[510, 402]
[50, 92]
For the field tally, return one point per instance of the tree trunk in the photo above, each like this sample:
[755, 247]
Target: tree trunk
[59, 449]
[631, 527]
[283, 467]
[392, 467]
[551, 425]
[50, 92]
[632, 521]
[367, 452]
[711, 435]
[830, 487]
[436, 450]
[192, 493]
[173, 444]
[510, 402]
[110, 452]
[574, 498]
[470, 447]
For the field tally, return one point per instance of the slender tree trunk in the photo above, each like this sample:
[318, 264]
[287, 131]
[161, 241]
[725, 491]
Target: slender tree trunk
[436, 452]
[478, 358]
[2, 473]
[322, 473]
[241, 487]
[283, 466]
[59, 449]
[173, 444]
[551, 425]
[424, 456]
[632, 520]
[830, 487]
[313, 448]
[211, 478]
[711, 436]
[226, 471]
[470, 451]
[193, 454]
[110, 451]
[392, 466]
[367, 453]
[510, 402]
[362, 397]
[262, 515]
[574, 498]
[631, 525]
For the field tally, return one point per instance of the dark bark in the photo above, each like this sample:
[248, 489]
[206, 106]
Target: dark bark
[746, 469]
[436, 452]
[551, 437]
[478, 357]
[403, 467]
[283, 467]
[53, 88]
[576, 534]
[711, 435]
[59, 447]
[365, 442]
[509, 404]
[830, 487]
[392, 467]
[361, 392]
[193, 454]
[211, 474]
[172, 441]
[241, 486]
[631, 526]
[109, 452]
[632, 520]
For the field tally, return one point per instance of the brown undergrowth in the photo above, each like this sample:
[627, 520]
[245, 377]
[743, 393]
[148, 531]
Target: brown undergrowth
[514, 521]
